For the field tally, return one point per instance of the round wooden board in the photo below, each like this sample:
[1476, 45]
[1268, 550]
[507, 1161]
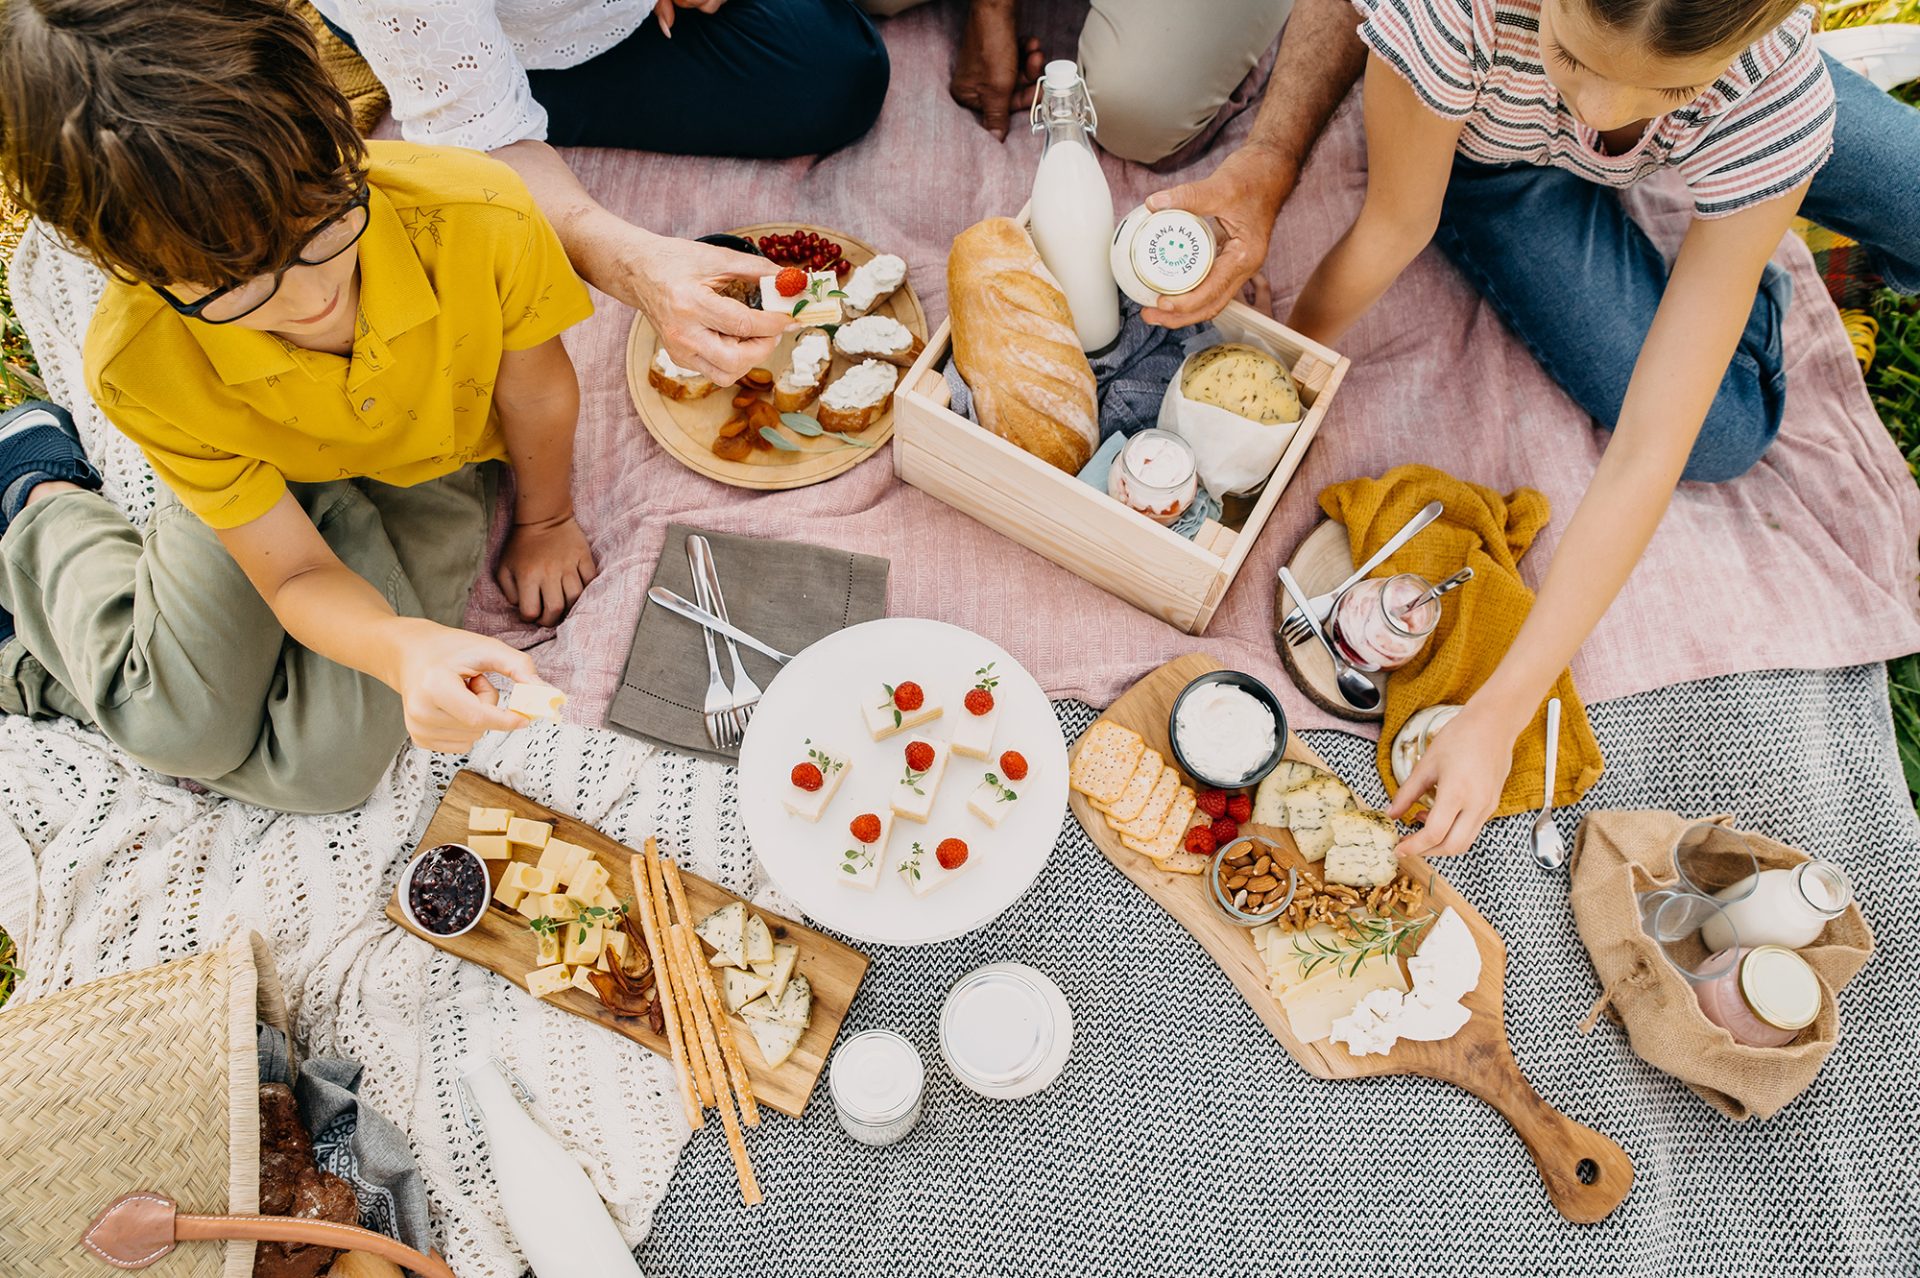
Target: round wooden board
[1321, 561]
[686, 428]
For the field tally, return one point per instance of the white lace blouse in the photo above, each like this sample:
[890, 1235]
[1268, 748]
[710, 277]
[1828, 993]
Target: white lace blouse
[457, 69]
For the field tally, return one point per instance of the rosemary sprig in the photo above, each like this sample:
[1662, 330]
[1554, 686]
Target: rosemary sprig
[1374, 936]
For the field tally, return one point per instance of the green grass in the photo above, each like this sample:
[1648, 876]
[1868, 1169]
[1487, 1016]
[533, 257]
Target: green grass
[10, 972]
[1894, 383]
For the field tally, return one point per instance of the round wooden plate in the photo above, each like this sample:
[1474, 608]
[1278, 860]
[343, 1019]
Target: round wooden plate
[1321, 561]
[686, 428]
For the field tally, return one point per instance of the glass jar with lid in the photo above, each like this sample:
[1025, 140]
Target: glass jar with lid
[1766, 997]
[1380, 623]
[1789, 907]
[1155, 474]
[877, 1081]
[1006, 1030]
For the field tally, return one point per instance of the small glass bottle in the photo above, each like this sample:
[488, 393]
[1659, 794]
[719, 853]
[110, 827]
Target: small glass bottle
[1156, 474]
[1375, 625]
[1782, 907]
[1765, 999]
[877, 1081]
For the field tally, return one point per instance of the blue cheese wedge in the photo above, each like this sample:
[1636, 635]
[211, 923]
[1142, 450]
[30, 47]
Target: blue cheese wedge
[1310, 809]
[809, 804]
[861, 863]
[884, 718]
[994, 797]
[922, 872]
[726, 931]
[914, 792]
[1362, 853]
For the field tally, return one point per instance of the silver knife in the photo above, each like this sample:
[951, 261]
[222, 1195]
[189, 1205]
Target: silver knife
[700, 616]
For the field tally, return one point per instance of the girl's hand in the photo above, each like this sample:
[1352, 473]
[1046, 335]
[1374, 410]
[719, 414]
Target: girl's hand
[1463, 770]
[1243, 196]
[443, 689]
[544, 567]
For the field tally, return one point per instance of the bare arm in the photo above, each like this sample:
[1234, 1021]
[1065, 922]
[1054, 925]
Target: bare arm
[439, 672]
[546, 562]
[1695, 333]
[673, 282]
[1320, 57]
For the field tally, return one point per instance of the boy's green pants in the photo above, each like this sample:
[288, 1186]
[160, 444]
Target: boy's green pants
[162, 643]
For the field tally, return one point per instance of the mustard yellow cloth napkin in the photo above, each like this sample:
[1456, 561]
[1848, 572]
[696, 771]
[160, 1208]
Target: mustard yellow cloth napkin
[1477, 622]
[365, 95]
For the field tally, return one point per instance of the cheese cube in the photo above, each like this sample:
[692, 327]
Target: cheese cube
[488, 820]
[583, 980]
[1317, 1002]
[992, 799]
[508, 894]
[884, 718]
[1362, 853]
[545, 982]
[562, 857]
[536, 701]
[522, 878]
[860, 863]
[528, 834]
[914, 792]
[605, 899]
[616, 945]
[809, 804]
[532, 905]
[559, 905]
[549, 947]
[490, 847]
[922, 871]
[589, 879]
[583, 949]
[973, 733]
[605, 962]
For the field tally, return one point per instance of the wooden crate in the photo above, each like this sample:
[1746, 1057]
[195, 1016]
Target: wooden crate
[1081, 528]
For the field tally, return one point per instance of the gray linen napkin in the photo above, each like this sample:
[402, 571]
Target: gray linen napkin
[787, 594]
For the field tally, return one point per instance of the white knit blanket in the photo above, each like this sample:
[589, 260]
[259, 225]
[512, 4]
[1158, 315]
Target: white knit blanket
[106, 868]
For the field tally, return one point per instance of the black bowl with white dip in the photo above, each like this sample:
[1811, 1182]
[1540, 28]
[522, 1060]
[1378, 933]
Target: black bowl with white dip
[1227, 729]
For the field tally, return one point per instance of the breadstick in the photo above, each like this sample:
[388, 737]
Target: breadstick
[663, 990]
[689, 1000]
[736, 1143]
[722, 1028]
[677, 943]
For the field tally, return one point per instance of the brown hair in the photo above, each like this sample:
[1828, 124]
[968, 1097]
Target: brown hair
[1691, 28]
[189, 141]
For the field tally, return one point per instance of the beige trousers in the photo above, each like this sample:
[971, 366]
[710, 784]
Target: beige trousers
[160, 641]
[1160, 70]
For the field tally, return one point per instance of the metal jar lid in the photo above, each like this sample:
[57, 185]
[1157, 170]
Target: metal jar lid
[1780, 987]
[864, 1087]
[1172, 251]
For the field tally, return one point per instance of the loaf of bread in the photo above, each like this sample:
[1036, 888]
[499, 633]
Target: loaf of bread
[1014, 343]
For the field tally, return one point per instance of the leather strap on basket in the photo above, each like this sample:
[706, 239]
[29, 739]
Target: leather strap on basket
[135, 1230]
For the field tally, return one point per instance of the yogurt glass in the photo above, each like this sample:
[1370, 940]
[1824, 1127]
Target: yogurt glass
[1156, 475]
[1373, 626]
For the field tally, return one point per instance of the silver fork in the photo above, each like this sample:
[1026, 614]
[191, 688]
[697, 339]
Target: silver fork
[746, 693]
[1294, 628]
[723, 732]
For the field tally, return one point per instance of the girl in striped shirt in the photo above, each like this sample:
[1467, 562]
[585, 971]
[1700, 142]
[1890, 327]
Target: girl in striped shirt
[1503, 128]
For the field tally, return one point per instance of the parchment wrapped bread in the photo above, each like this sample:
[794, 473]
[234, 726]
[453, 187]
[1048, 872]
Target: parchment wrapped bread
[1014, 343]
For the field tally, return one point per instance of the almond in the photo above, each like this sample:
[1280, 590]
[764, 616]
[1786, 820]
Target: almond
[1263, 883]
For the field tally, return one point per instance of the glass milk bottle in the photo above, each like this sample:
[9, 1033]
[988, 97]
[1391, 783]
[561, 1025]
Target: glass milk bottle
[1071, 214]
[1780, 907]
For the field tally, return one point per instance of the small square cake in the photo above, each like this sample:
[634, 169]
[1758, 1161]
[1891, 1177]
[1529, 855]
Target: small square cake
[884, 715]
[811, 785]
[807, 306]
[972, 733]
[993, 798]
[913, 793]
[861, 863]
[922, 871]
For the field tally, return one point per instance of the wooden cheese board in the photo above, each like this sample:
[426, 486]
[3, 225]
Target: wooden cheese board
[501, 943]
[686, 428]
[1586, 1174]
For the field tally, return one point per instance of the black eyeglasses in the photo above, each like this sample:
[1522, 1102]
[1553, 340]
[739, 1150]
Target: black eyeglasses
[237, 301]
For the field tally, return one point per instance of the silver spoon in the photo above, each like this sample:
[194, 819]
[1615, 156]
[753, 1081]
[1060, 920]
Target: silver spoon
[1355, 688]
[1549, 849]
[1434, 592]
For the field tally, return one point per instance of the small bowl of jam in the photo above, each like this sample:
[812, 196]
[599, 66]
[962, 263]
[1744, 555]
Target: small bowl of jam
[444, 890]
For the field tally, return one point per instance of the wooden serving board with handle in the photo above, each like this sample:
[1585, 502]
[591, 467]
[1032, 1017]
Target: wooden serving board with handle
[502, 943]
[1586, 1174]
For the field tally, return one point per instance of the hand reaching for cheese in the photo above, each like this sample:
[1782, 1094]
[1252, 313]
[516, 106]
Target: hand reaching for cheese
[1462, 771]
[1243, 197]
[443, 687]
[676, 284]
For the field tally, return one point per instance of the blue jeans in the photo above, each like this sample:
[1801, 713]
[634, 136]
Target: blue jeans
[1578, 281]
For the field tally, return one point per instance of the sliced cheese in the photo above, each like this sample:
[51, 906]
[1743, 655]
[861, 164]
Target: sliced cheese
[488, 820]
[757, 941]
[1362, 853]
[536, 701]
[1270, 800]
[738, 988]
[1139, 788]
[1309, 807]
[775, 1041]
[809, 804]
[725, 930]
[884, 718]
[784, 957]
[1314, 1004]
[796, 1003]
[914, 792]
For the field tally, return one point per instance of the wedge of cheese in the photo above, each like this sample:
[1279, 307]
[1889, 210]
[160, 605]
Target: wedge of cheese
[775, 1041]
[921, 871]
[725, 930]
[1270, 800]
[1362, 853]
[861, 863]
[1315, 1003]
[914, 792]
[1139, 788]
[973, 733]
[784, 957]
[1104, 760]
[488, 820]
[993, 798]
[756, 945]
[809, 804]
[583, 980]
[1309, 809]
[738, 988]
[884, 718]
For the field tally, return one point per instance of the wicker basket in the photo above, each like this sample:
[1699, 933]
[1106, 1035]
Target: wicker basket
[147, 1085]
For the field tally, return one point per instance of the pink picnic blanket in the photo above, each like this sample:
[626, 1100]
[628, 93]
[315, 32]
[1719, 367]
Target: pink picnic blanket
[1808, 561]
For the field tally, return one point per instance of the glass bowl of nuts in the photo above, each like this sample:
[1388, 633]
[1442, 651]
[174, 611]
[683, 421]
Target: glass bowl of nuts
[1247, 885]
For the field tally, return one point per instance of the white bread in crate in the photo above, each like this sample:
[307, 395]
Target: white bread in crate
[1014, 343]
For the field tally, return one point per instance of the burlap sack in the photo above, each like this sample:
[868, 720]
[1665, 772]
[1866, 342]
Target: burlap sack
[1616, 856]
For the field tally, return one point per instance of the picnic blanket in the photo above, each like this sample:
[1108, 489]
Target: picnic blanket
[103, 867]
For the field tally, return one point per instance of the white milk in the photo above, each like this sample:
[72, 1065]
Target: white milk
[1071, 217]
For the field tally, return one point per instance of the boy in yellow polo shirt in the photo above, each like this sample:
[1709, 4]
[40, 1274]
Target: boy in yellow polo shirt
[325, 348]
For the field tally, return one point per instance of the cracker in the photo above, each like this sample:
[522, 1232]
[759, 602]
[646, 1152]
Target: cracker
[1146, 774]
[1148, 823]
[1184, 863]
[1106, 758]
[1172, 833]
